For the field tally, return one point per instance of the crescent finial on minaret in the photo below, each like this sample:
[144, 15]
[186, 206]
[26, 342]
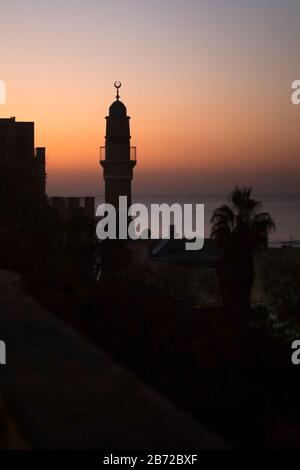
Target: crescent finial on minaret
[117, 85]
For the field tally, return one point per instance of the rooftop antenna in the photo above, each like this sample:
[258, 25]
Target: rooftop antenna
[117, 85]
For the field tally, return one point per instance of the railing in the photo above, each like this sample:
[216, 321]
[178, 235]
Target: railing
[132, 154]
[102, 154]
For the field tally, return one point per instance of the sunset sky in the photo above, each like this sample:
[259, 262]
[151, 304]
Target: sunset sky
[206, 82]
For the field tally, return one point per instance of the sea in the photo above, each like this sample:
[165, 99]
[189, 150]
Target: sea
[285, 212]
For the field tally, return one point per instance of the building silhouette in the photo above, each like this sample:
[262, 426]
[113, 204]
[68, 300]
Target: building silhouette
[22, 166]
[117, 158]
[66, 207]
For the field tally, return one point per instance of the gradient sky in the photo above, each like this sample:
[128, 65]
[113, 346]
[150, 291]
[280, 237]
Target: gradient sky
[206, 82]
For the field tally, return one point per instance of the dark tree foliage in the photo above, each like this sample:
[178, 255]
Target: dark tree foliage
[239, 229]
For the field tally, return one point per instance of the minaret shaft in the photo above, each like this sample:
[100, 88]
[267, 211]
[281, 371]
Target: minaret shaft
[117, 163]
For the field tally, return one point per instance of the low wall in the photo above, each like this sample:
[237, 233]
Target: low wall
[60, 392]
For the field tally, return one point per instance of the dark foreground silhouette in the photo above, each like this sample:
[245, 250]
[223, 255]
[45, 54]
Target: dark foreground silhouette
[240, 382]
[240, 230]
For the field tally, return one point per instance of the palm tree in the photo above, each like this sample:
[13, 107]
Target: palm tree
[239, 230]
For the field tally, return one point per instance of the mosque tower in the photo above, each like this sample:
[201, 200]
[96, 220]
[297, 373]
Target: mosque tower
[117, 158]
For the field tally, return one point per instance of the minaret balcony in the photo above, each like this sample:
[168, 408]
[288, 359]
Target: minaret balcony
[132, 159]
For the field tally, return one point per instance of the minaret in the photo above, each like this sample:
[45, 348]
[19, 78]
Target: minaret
[118, 158]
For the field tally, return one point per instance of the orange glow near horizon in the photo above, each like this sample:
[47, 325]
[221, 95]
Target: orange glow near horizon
[212, 102]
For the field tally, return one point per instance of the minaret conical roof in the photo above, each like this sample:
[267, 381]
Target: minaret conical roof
[117, 109]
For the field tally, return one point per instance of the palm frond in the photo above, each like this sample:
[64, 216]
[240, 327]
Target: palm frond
[222, 213]
[242, 218]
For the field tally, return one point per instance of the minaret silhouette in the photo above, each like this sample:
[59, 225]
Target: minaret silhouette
[118, 158]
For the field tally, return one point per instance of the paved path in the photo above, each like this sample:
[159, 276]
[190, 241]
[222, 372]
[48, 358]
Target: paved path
[64, 393]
